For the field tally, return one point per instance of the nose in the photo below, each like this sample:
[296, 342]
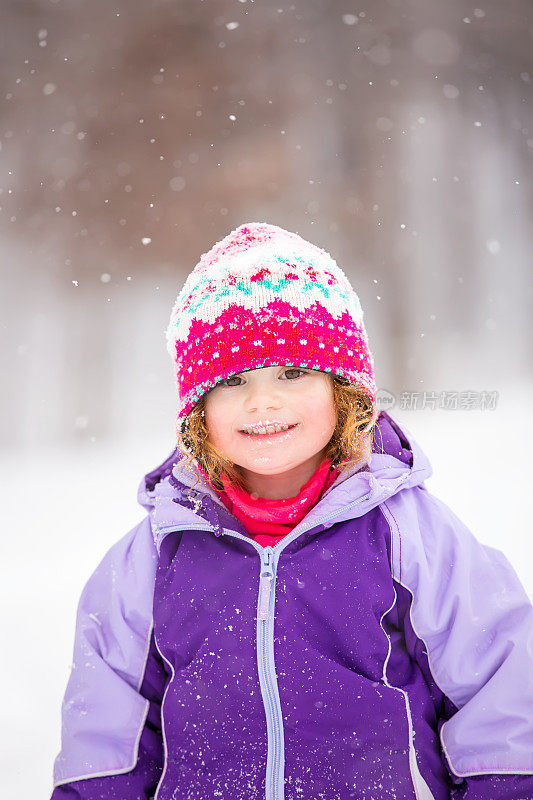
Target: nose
[261, 398]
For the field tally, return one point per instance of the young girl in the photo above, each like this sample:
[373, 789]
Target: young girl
[296, 617]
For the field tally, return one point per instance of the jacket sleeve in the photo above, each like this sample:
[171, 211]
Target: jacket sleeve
[474, 619]
[111, 741]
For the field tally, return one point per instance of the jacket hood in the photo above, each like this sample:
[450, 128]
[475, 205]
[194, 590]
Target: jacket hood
[396, 462]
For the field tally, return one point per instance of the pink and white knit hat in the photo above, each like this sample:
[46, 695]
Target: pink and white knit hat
[264, 296]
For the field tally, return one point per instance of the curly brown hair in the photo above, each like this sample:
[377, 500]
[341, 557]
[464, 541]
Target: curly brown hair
[348, 443]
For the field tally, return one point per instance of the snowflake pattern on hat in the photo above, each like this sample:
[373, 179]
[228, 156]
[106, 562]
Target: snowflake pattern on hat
[264, 296]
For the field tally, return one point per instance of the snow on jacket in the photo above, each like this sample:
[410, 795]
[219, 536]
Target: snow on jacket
[378, 651]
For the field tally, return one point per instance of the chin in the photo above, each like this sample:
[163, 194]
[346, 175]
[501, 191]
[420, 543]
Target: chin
[270, 468]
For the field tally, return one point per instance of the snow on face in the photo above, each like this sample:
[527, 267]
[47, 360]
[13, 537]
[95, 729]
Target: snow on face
[287, 394]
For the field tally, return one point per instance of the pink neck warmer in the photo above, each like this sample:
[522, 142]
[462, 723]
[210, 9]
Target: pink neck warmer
[268, 520]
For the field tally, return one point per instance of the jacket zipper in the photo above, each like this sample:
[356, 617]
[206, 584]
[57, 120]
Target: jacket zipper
[265, 583]
[267, 675]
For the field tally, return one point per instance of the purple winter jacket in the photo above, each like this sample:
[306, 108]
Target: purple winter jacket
[377, 652]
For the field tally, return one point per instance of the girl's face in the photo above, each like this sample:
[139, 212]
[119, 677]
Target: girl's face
[273, 464]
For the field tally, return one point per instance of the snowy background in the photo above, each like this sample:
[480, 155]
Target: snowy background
[399, 137]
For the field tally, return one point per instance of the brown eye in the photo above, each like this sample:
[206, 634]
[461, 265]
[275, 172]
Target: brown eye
[231, 378]
[294, 369]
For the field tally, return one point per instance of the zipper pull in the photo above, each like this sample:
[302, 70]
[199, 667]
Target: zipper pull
[265, 584]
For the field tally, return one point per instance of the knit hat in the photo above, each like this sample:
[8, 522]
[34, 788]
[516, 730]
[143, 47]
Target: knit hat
[264, 296]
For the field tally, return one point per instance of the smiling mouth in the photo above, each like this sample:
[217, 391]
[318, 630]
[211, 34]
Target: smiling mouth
[269, 435]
